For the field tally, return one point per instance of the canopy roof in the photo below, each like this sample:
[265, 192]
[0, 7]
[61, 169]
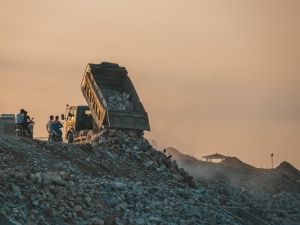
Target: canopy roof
[215, 156]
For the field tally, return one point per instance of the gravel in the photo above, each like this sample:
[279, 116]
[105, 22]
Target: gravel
[119, 178]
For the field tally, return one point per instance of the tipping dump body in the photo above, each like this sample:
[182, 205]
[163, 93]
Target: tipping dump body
[106, 84]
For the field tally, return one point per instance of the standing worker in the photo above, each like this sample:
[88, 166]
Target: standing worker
[49, 126]
[56, 125]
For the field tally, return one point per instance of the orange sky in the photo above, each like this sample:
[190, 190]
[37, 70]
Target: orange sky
[214, 76]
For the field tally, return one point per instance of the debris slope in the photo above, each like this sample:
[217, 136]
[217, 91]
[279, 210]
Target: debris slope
[119, 178]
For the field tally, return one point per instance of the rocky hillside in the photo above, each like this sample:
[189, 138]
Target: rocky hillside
[237, 174]
[119, 178]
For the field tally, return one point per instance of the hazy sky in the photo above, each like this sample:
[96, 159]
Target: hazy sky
[214, 76]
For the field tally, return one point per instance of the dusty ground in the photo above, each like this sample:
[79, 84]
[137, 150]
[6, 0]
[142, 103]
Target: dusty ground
[236, 173]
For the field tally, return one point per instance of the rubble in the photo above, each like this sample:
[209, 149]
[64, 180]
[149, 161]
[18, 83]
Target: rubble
[119, 178]
[117, 100]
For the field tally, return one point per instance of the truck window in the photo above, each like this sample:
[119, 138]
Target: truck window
[70, 115]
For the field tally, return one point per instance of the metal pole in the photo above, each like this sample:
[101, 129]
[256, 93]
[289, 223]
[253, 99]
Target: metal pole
[272, 159]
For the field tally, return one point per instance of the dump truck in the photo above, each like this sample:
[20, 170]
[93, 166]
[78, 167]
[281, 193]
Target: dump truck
[112, 102]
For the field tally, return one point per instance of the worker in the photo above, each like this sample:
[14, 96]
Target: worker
[56, 125]
[27, 119]
[49, 126]
[26, 122]
[20, 117]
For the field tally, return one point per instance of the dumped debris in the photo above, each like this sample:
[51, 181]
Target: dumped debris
[117, 99]
[119, 178]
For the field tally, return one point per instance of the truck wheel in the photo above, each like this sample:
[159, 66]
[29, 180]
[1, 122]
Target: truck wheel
[70, 138]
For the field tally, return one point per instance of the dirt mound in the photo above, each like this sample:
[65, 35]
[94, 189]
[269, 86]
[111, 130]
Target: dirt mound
[287, 167]
[234, 162]
[174, 152]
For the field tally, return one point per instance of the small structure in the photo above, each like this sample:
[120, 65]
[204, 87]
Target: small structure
[7, 124]
[214, 156]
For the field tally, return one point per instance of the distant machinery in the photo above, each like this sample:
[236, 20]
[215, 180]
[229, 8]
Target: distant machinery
[7, 124]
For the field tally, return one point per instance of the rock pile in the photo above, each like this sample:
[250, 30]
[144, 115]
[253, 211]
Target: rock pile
[117, 100]
[119, 178]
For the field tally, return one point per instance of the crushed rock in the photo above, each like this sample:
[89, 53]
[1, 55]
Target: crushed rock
[118, 178]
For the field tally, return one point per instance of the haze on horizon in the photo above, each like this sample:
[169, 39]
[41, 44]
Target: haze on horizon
[214, 76]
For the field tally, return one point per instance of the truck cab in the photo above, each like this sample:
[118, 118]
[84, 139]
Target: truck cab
[78, 122]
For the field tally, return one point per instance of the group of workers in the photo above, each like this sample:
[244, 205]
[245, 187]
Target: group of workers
[54, 124]
[24, 120]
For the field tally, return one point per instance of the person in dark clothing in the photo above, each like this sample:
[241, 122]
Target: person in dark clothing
[26, 122]
[56, 125]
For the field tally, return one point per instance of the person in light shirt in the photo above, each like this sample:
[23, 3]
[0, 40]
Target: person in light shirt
[20, 117]
[49, 126]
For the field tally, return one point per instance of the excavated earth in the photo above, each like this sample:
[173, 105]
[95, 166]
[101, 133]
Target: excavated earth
[119, 178]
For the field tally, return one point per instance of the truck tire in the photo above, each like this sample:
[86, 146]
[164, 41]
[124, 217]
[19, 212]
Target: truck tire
[70, 138]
